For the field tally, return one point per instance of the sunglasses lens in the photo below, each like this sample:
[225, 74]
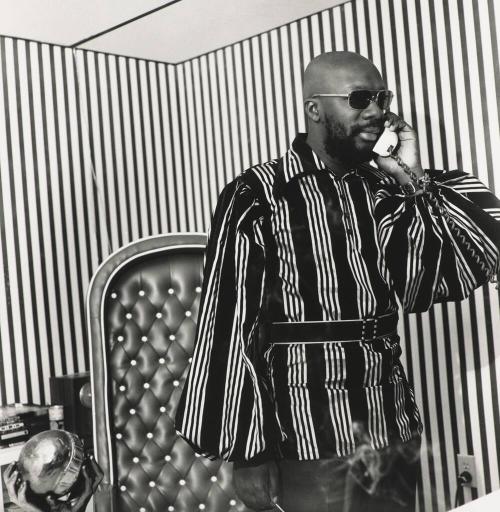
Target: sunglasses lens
[360, 99]
[384, 99]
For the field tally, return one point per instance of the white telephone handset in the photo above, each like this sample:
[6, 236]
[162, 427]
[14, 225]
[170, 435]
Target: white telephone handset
[386, 143]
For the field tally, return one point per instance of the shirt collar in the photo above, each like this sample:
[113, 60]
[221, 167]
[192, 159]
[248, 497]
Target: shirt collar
[300, 161]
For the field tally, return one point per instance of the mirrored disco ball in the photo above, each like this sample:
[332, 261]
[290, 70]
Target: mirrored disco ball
[51, 461]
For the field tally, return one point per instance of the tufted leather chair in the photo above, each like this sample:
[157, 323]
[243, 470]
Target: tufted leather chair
[141, 311]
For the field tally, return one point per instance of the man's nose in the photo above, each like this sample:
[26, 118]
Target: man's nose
[372, 111]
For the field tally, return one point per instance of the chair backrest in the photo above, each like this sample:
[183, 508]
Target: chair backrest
[141, 311]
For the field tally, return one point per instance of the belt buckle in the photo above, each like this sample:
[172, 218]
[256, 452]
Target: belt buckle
[373, 323]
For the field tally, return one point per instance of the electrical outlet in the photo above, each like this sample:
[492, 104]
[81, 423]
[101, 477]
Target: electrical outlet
[467, 463]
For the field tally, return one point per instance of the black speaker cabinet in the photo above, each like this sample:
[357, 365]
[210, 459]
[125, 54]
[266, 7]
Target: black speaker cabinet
[67, 390]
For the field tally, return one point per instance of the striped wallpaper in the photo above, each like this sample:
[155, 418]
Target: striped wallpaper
[98, 150]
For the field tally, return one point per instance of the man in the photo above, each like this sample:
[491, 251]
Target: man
[296, 374]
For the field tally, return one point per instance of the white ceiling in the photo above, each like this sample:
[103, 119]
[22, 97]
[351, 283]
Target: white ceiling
[178, 32]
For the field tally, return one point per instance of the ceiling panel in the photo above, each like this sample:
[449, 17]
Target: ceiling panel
[66, 21]
[178, 32]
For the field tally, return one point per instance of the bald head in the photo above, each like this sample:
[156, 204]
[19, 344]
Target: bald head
[334, 71]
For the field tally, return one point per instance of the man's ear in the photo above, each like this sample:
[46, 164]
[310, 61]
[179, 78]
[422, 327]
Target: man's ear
[311, 109]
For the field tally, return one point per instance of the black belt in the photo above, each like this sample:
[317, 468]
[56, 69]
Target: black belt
[364, 329]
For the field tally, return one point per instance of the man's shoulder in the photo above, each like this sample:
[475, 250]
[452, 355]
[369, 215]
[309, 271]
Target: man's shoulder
[255, 182]
[263, 173]
[260, 178]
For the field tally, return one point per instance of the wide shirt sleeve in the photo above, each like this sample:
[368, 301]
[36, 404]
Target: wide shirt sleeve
[226, 408]
[440, 245]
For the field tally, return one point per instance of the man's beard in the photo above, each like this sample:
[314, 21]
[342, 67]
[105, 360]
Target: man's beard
[341, 144]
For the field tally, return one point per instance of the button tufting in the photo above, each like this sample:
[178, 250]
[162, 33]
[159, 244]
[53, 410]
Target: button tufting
[128, 316]
[133, 362]
[149, 435]
[158, 315]
[118, 436]
[188, 313]
[123, 488]
[132, 411]
[146, 385]
[232, 503]
[182, 482]
[190, 359]
[171, 291]
[161, 360]
[142, 509]
[135, 460]
[122, 388]
[163, 408]
[213, 478]
[176, 383]
[168, 458]
[142, 293]
[152, 484]
[120, 338]
[201, 506]
[170, 508]
[197, 455]
[113, 295]
[171, 337]
[198, 289]
[144, 338]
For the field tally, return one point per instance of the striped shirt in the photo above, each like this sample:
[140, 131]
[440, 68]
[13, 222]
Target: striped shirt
[291, 242]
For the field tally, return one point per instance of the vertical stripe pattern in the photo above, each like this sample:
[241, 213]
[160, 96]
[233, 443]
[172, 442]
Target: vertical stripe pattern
[98, 150]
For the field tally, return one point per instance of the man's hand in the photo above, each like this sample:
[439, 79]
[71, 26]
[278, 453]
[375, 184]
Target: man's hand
[257, 486]
[407, 151]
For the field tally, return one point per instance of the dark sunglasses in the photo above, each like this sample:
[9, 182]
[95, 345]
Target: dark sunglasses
[361, 98]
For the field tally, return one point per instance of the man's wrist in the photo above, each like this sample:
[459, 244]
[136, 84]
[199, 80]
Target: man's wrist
[403, 177]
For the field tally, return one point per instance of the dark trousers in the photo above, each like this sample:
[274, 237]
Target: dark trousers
[372, 481]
